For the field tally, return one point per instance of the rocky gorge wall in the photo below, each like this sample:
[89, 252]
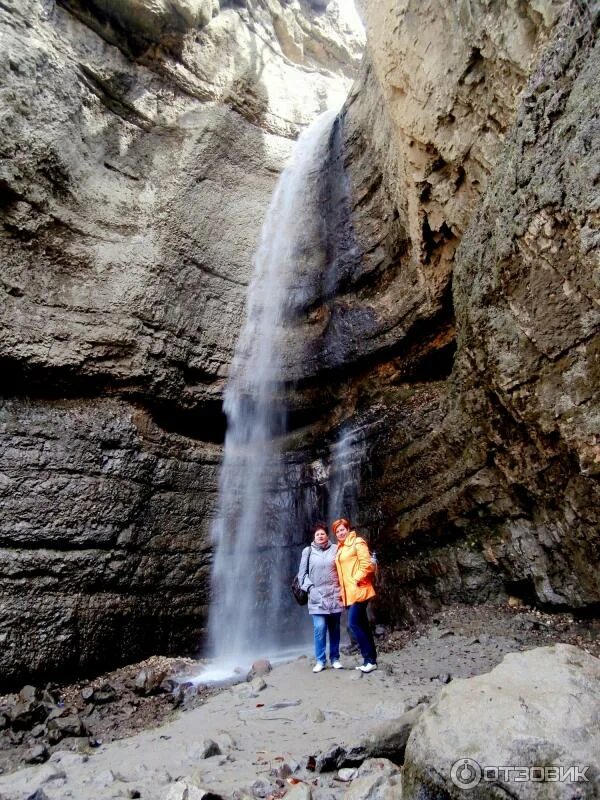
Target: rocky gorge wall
[455, 332]
[491, 176]
[140, 144]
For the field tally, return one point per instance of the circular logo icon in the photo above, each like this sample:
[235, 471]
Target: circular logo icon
[466, 773]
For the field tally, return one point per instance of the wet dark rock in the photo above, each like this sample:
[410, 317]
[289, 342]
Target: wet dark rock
[25, 715]
[105, 694]
[331, 760]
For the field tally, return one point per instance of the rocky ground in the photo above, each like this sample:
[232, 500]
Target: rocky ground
[139, 731]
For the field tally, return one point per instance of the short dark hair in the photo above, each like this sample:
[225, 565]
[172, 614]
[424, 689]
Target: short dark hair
[320, 526]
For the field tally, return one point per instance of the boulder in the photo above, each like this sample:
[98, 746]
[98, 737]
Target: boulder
[299, 791]
[259, 668]
[149, 681]
[377, 779]
[537, 710]
[36, 755]
[184, 789]
[389, 738]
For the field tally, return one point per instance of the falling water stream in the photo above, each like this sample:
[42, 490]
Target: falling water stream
[250, 611]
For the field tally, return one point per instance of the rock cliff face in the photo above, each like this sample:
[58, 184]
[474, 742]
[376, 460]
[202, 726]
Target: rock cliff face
[140, 144]
[498, 462]
[454, 334]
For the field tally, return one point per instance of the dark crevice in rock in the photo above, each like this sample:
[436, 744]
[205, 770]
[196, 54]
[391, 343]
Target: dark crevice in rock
[112, 101]
[205, 423]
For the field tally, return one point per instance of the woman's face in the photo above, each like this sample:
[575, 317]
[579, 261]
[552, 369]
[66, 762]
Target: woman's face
[321, 536]
[341, 532]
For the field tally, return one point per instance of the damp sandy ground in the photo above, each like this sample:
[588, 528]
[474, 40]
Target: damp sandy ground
[296, 715]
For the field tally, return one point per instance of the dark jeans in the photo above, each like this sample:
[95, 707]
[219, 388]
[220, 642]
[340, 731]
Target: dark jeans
[359, 625]
[324, 624]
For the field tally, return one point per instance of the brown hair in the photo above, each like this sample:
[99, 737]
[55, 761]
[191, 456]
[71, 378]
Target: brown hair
[335, 525]
[319, 526]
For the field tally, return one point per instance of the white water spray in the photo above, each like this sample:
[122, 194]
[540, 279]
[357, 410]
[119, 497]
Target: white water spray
[250, 609]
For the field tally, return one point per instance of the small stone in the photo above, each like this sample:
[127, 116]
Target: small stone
[67, 726]
[87, 693]
[105, 694]
[27, 714]
[261, 667]
[331, 760]
[133, 794]
[39, 730]
[444, 677]
[258, 684]
[36, 755]
[209, 748]
[260, 788]
[148, 681]
[347, 774]
[226, 741]
[316, 715]
[39, 794]
[28, 694]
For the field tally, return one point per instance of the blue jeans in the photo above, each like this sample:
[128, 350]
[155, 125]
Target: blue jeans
[359, 625]
[322, 624]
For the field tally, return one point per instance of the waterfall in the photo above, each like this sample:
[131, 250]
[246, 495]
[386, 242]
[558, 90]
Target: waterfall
[345, 458]
[256, 544]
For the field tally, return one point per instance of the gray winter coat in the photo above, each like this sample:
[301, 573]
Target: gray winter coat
[320, 580]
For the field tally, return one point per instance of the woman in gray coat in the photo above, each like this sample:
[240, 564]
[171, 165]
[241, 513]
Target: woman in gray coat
[318, 576]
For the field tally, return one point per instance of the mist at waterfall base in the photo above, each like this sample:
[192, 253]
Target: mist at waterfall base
[262, 514]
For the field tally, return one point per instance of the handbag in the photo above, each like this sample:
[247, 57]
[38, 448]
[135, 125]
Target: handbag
[300, 596]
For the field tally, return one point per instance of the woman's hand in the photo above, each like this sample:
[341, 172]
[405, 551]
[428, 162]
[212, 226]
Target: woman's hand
[314, 596]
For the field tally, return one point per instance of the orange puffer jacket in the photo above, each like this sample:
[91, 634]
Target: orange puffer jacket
[355, 570]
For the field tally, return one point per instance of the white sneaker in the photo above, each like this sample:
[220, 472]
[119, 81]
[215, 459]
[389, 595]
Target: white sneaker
[337, 664]
[367, 667]
[318, 667]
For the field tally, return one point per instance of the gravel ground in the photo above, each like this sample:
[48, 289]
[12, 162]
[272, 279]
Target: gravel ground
[295, 715]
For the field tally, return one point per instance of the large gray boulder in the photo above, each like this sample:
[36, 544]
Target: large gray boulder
[539, 708]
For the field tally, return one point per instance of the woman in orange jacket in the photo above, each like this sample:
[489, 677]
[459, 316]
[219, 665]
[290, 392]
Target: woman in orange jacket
[355, 571]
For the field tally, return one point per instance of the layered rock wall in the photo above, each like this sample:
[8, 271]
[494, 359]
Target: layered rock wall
[498, 463]
[140, 144]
